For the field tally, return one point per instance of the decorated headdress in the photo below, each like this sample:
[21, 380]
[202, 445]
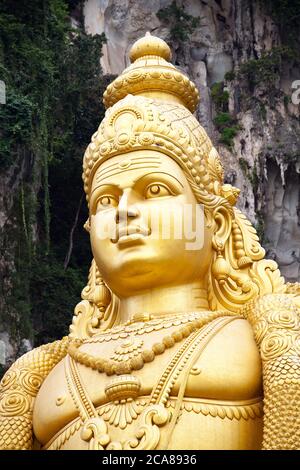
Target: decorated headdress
[150, 106]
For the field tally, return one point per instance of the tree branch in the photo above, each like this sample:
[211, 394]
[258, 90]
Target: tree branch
[68, 255]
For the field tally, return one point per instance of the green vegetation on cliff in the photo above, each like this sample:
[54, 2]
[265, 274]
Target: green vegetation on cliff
[54, 86]
[181, 24]
[286, 14]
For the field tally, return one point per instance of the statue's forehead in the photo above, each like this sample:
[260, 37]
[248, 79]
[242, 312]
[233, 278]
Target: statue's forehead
[135, 162]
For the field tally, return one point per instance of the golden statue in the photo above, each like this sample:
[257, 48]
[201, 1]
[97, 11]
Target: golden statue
[171, 347]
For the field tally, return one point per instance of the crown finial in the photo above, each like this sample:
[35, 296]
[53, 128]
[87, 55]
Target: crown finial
[150, 45]
[152, 75]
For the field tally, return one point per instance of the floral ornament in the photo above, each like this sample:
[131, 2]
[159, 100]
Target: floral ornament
[124, 140]
[31, 381]
[135, 76]
[105, 148]
[284, 319]
[13, 404]
[146, 138]
[9, 379]
[274, 345]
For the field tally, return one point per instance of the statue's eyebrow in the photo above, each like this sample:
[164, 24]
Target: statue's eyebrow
[151, 174]
[157, 173]
[138, 180]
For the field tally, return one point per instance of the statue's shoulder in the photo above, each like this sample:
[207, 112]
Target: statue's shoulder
[278, 310]
[39, 361]
[18, 389]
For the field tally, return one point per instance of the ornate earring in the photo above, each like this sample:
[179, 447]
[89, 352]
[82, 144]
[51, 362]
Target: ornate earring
[220, 268]
[243, 260]
[101, 293]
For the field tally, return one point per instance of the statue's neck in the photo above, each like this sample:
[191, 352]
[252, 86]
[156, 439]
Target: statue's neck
[166, 300]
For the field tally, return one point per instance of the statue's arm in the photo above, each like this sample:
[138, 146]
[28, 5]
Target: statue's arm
[18, 390]
[276, 323]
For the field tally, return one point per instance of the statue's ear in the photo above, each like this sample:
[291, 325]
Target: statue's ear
[223, 221]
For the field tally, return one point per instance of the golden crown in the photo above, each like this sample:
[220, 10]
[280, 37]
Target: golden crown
[150, 106]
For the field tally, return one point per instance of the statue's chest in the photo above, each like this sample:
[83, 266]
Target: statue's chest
[228, 368]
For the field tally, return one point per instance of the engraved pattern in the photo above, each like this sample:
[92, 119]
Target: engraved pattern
[123, 387]
[15, 433]
[127, 350]
[156, 74]
[137, 362]
[123, 412]
[222, 410]
[140, 328]
[177, 136]
[109, 412]
[147, 435]
[64, 436]
[14, 403]
[105, 411]
[293, 288]
[279, 344]
[18, 389]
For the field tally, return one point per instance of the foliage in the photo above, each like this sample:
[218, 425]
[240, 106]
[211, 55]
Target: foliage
[223, 120]
[286, 14]
[16, 126]
[220, 96]
[54, 84]
[229, 76]
[286, 100]
[254, 179]
[228, 134]
[182, 24]
[225, 123]
[262, 111]
[244, 165]
[265, 70]
[228, 127]
[54, 293]
[251, 175]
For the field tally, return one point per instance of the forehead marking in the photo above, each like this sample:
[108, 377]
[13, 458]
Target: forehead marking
[132, 163]
[118, 171]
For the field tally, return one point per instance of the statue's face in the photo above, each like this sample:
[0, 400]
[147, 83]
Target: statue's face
[132, 197]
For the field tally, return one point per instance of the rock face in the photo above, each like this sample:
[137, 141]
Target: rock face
[262, 153]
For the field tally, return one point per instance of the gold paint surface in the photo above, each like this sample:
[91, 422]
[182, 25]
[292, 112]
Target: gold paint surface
[169, 347]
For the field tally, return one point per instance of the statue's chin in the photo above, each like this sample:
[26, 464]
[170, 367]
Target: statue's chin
[132, 278]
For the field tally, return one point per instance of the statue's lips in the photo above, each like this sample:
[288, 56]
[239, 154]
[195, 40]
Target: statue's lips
[130, 234]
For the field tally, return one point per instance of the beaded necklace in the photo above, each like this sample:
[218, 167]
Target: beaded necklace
[192, 322]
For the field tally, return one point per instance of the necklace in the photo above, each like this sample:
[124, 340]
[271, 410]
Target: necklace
[111, 367]
[141, 326]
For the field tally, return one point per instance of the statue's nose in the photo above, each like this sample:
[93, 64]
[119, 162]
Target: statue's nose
[126, 207]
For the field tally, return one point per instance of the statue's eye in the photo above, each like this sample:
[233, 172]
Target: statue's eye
[106, 202]
[157, 190]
